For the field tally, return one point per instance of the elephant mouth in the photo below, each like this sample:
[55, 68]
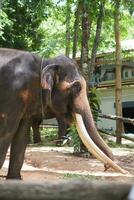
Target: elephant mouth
[92, 147]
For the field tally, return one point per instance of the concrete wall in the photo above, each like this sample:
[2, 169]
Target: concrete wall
[107, 96]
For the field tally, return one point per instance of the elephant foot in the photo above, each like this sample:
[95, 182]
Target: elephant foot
[82, 154]
[37, 141]
[14, 177]
[2, 177]
[59, 143]
[106, 167]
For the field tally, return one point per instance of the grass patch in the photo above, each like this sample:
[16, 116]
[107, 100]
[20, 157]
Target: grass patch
[48, 137]
[78, 176]
[129, 146]
[113, 144]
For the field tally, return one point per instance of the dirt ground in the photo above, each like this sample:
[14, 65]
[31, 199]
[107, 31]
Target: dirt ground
[54, 163]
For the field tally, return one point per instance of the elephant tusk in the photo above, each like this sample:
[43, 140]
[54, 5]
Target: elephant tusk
[92, 147]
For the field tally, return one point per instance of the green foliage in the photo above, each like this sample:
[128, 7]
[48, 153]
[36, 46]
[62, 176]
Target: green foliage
[75, 139]
[39, 25]
[48, 136]
[95, 102]
[53, 40]
[129, 4]
[5, 23]
[49, 133]
[25, 17]
[107, 39]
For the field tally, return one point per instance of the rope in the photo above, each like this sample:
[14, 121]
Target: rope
[41, 94]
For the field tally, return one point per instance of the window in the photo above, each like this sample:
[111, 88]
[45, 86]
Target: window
[126, 73]
[132, 73]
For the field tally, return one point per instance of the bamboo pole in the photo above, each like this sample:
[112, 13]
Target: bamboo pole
[113, 134]
[114, 117]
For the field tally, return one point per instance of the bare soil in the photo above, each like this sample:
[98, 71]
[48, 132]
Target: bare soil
[54, 163]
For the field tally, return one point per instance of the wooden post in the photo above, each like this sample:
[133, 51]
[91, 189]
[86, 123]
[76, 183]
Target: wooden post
[118, 67]
[63, 190]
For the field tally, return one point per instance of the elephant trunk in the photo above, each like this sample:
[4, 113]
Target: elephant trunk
[92, 131]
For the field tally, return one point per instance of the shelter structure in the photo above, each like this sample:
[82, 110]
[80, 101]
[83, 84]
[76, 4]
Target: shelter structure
[104, 79]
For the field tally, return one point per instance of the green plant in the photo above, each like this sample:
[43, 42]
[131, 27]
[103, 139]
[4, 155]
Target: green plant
[48, 137]
[75, 138]
[49, 134]
[95, 102]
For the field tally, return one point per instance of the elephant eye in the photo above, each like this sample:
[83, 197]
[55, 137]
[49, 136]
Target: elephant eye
[76, 88]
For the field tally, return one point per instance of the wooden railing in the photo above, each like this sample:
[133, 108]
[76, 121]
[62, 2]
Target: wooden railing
[109, 58]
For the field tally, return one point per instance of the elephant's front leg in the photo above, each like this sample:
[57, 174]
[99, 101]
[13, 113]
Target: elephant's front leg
[17, 151]
[36, 131]
[63, 126]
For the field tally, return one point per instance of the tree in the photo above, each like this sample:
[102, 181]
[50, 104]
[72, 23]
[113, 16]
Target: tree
[86, 27]
[25, 17]
[0, 4]
[76, 28]
[40, 25]
[118, 65]
[91, 64]
[68, 10]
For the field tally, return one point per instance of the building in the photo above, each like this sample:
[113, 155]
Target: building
[104, 78]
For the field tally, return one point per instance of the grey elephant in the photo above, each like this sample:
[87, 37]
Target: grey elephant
[28, 86]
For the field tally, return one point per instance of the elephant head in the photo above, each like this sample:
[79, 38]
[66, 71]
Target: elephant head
[67, 96]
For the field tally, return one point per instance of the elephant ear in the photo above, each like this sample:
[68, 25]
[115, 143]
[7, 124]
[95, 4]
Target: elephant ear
[48, 76]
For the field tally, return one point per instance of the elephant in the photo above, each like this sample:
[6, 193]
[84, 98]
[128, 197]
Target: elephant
[30, 85]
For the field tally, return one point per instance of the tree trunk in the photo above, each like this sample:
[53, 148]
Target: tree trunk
[1, 1]
[68, 10]
[86, 26]
[118, 67]
[76, 28]
[96, 40]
